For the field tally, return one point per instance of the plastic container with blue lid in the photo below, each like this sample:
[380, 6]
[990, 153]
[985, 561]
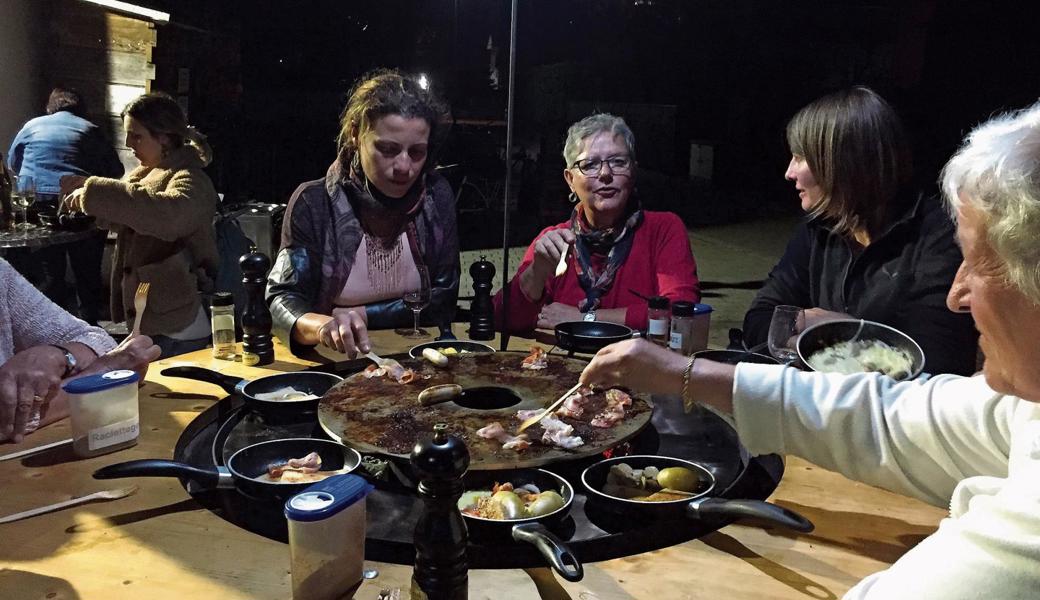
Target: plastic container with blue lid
[104, 412]
[327, 537]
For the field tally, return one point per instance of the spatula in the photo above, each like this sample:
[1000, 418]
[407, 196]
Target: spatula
[552, 407]
[102, 495]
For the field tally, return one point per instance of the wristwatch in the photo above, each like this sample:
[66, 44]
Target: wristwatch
[70, 361]
[589, 316]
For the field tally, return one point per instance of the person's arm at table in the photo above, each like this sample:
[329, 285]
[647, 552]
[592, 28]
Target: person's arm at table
[788, 283]
[914, 438]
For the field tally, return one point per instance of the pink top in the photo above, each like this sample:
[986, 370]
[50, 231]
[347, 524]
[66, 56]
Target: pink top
[380, 275]
[660, 263]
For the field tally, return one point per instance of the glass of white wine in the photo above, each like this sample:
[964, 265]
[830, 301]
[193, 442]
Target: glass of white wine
[787, 322]
[23, 196]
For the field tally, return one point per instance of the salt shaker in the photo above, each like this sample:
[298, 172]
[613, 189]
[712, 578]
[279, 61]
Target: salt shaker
[104, 412]
[327, 537]
[222, 311]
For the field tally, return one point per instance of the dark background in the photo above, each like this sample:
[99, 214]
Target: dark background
[269, 78]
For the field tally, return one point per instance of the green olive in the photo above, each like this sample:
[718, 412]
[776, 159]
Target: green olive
[512, 505]
[678, 478]
[547, 502]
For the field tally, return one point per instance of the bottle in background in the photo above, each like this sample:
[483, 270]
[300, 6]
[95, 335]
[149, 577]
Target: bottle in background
[659, 315]
[223, 316]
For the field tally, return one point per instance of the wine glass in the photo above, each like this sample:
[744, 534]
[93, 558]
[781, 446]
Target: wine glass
[786, 324]
[23, 196]
[416, 299]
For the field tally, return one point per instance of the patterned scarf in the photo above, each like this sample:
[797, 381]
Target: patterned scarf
[614, 242]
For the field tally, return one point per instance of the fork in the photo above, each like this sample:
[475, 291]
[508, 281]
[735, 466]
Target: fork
[140, 303]
[102, 495]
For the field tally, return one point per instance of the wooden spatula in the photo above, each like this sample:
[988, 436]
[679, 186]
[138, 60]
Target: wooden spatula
[102, 495]
[552, 407]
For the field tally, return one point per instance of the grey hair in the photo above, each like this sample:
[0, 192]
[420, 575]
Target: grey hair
[591, 125]
[997, 173]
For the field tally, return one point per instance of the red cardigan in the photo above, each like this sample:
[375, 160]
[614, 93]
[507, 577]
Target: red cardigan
[660, 263]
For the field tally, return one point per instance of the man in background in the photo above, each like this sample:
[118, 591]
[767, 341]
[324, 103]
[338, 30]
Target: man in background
[64, 142]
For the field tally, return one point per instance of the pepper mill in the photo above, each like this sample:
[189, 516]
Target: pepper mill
[482, 311]
[441, 568]
[257, 347]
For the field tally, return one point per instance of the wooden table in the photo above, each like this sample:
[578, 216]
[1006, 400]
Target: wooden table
[159, 543]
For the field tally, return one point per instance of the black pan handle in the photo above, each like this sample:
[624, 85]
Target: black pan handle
[155, 467]
[554, 550]
[758, 509]
[227, 382]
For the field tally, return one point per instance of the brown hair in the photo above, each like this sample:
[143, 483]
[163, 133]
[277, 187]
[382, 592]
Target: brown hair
[160, 114]
[66, 99]
[856, 148]
[387, 92]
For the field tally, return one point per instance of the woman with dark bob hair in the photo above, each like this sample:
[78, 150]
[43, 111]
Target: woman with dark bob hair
[621, 254]
[871, 247]
[162, 213]
[379, 224]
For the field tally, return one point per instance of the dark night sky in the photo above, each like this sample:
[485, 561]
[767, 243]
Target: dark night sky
[734, 71]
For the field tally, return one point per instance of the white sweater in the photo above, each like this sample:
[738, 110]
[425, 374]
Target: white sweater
[948, 441]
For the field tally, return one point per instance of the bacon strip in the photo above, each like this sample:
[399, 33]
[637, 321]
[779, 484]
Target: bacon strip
[614, 412]
[535, 360]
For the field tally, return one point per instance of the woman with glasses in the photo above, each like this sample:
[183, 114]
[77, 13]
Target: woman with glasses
[872, 247]
[617, 254]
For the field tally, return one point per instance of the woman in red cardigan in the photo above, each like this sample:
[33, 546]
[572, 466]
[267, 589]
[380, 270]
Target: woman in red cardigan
[616, 251]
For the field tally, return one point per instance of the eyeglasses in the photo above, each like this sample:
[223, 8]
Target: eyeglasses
[617, 165]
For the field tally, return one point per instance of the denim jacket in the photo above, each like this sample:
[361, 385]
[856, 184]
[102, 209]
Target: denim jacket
[320, 238]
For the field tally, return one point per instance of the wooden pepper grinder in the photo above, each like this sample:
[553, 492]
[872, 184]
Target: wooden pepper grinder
[482, 311]
[441, 569]
[257, 347]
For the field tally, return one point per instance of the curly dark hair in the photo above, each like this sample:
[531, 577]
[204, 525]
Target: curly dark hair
[387, 92]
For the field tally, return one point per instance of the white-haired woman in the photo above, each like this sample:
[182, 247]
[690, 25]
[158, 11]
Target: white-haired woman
[621, 254]
[970, 443]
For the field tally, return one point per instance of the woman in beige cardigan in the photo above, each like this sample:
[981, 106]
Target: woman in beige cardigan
[162, 213]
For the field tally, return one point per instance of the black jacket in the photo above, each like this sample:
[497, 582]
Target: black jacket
[901, 279]
[320, 236]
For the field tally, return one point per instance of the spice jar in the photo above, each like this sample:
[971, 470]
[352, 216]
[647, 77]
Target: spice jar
[222, 311]
[681, 339]
[701, 326]
[658, 315]
[104, 412]
[327, 537]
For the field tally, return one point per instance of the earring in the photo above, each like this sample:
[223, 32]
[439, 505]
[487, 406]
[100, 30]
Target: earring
[573, 198]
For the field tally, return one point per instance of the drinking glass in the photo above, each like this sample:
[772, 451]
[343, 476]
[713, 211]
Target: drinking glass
[23, 196]
[416, 299]
[786, 324]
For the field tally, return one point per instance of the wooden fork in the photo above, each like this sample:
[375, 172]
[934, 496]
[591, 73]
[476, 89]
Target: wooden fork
[140, 303]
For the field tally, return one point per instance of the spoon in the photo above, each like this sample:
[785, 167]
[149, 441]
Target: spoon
[102, 495]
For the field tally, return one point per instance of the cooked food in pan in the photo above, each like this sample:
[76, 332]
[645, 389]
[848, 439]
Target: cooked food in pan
[392, 368]
[650, 484]
[285, 394]
[503, 502]
[298, 470]
[495, 431]
[861, 356]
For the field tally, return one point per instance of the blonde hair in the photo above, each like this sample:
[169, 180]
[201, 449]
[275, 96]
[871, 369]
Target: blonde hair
[997, 173]
[855, 146]
[160, 114]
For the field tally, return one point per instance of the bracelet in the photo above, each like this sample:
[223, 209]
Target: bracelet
[688, 401]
